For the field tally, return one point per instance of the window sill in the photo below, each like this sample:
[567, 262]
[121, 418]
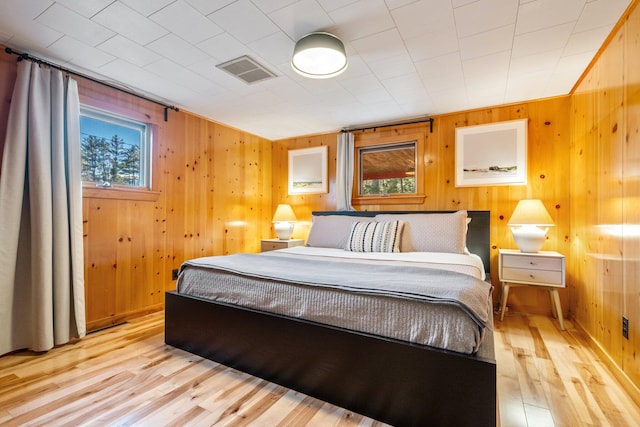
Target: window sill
[120, 194]
[409, 199]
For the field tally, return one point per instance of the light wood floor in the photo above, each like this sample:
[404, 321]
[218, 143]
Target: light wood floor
[126, 375]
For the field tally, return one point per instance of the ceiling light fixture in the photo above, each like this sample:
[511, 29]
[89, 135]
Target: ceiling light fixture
[319, 56]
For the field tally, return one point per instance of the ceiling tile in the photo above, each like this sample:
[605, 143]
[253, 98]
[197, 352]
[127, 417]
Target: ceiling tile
[540, 14]
[86, 8]
[176, 49]
[600, 13]
[171, 71]
[22, 10]
[244, 21]
[490, 70]
[542, 40]
[129, 23]
[537, 63]
[186, 22]
[301, 18]
[379, 46]
[392, 66]
[129, 51]
[331, 5]
[209, 6]
[268, 6]
[5, 37]
[407, 58]
[224, 47]
[404, 88]
[394, 4]
[484, 15]
[146, 7]
[17, 20]
[277, 47]
[487, 43]
[362, 18]
[421, 18]
[586, 41]
[80, 54]
[442, 72]
[139, 79]
[431, 45]
[75, 25]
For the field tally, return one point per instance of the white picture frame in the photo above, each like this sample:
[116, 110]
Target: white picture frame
[308, 171]
[491, 154]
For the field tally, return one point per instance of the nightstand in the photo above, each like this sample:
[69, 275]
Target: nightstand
[274, 244]
[544, 269]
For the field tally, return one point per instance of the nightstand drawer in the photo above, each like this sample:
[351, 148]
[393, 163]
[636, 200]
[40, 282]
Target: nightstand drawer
[546, 277]
[532, 262]
[275, 244]
[272, 246]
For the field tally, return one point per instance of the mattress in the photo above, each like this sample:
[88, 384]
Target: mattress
[385, 298]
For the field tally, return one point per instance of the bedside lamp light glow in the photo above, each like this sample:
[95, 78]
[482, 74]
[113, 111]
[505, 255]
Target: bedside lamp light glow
[283, 221]
[529, 224]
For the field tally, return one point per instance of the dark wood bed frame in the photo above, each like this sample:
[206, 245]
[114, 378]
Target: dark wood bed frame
[389, 380]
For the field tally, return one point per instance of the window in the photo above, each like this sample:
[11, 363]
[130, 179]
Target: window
[116, 150]
[389, 170]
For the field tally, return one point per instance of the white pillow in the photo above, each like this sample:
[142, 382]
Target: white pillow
[375, 236]
[332, 231]
[432, 232]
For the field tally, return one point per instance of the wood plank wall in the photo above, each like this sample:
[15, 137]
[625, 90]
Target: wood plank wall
[211, 196]
[605, 198]
[218, 188]
[548, 180]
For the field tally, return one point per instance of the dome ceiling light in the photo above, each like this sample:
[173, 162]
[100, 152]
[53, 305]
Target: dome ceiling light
[319, 56]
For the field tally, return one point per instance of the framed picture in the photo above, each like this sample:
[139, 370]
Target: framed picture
[492, 154]
[308, 170]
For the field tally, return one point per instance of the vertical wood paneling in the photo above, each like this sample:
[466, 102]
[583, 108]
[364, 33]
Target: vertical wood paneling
[548, 179]
[631, 198]
[605, 194]
[212, 189]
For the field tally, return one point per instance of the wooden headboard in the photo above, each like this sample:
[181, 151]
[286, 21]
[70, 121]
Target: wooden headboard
[478, 234]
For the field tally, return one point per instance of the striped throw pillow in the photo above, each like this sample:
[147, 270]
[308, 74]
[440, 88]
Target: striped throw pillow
[375, 236]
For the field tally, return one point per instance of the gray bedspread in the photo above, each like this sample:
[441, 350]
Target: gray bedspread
[406, 300]
[423, 284]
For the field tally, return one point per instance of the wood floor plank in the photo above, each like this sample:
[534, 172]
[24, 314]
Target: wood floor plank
[127, 376]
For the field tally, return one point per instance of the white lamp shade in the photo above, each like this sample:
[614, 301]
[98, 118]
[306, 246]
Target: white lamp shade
[526, 222]
[531, 212]
[284, 221]
[319, 56]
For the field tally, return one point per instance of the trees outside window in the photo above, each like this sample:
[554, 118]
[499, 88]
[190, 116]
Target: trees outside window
[115, 150]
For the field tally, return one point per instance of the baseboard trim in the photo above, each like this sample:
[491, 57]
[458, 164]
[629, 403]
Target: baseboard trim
[627, 384]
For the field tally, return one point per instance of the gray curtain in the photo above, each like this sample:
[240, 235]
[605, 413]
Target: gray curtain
[41, 256]
[344, 171]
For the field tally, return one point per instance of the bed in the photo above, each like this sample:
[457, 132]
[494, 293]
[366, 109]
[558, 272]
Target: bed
[369, 367]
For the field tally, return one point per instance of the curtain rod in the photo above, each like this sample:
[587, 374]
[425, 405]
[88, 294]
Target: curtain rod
[430, 120]
[28, 57]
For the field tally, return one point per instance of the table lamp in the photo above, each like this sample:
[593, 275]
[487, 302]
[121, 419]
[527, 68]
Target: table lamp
[283, 221]
[529, 224]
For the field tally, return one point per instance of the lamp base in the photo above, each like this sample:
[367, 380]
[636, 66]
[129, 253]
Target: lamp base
[283, 230]
[529, 238]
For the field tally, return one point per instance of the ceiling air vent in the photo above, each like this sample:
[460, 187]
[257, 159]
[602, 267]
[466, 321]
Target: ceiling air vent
[246, 69]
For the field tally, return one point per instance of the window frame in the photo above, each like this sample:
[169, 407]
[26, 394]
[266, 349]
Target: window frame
[418, 197]
[146, 153]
